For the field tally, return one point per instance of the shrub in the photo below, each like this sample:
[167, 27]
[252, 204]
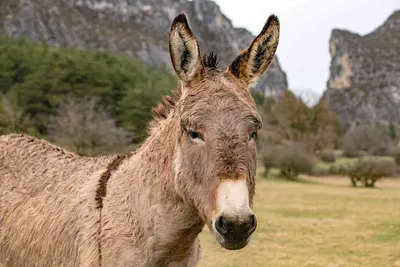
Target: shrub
[392, 131]
[366, 139]
[268, 162]
[87, 128]
[368, 171]
[396, 156]
[13, 118]
[338, 170]
[291, 160]
[327, 156]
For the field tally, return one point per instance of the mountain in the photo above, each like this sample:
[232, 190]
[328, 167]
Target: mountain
[364, 82]
[136, 28]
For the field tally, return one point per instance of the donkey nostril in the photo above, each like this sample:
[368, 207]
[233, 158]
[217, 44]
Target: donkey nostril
[221, 225]
[252, 223]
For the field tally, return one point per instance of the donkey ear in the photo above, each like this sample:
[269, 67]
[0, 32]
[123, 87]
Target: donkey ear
[254, 61]
[184, 50]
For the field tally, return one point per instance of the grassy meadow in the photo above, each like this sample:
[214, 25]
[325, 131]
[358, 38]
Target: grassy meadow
[317, 222]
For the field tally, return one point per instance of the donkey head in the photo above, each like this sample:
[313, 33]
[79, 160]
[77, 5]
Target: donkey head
[217, 121]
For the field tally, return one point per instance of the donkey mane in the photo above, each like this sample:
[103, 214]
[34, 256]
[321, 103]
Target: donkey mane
[210, 61]
[32, 143]
[164, 108]
[160, 112]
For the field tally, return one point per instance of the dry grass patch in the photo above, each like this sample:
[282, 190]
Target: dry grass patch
[318, 223]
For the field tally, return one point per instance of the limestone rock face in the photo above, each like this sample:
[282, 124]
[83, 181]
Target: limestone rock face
[364, 82]
[136, 28]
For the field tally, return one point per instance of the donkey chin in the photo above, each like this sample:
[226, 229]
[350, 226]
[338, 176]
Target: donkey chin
[235, 221]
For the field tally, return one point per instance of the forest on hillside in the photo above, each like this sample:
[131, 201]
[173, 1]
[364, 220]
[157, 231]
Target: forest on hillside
[93, 98]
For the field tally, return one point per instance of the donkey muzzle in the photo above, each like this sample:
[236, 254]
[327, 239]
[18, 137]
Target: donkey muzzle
[235, 230]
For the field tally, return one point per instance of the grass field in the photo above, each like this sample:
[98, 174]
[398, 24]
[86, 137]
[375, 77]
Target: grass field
[318, 222]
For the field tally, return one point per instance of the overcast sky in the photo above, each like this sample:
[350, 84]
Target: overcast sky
[306, 26]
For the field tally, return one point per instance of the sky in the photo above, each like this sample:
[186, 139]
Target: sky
[306, 26]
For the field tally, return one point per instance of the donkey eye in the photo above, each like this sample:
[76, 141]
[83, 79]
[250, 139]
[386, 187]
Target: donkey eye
[253, 136]
[195, 135]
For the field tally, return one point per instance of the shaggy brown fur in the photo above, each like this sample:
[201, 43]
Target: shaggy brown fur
[144, 209]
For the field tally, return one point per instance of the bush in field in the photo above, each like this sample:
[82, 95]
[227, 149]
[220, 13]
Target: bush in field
[268, 162]
[338, 170]
[396, 156]
[366, 139]
[265, 151]
[327, 156]
[291, 159]
[368, 170]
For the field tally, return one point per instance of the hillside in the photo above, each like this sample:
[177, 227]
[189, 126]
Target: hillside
[364, 82]
[138, 29]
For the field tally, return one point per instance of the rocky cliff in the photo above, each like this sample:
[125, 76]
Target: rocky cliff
[137, 28]
[364, 82]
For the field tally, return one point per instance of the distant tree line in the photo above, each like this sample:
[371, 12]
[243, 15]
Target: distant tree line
[41, 85]
[289, 119]
[300, 139]
[294, 133]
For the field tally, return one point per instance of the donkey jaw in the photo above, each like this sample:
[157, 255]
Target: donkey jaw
[235, 221]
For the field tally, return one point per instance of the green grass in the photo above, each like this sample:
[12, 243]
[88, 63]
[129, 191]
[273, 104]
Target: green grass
[324, 222]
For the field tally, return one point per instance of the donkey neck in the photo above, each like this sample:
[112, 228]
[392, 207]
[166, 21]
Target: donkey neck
[155, 163]
[158, 212]
[154, 160]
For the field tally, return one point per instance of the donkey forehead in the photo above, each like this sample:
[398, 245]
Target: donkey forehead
[219, 97]
[220, 109]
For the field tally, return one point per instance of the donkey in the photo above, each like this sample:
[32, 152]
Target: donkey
[147, 208]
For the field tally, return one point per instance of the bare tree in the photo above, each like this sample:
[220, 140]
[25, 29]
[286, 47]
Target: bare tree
[87, 128]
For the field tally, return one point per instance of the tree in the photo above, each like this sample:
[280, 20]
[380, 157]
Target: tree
[135, 107]
[289, 119]
[87, 128]
[392, 131]
[325, 126]
[13, 118]
[258, 97]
